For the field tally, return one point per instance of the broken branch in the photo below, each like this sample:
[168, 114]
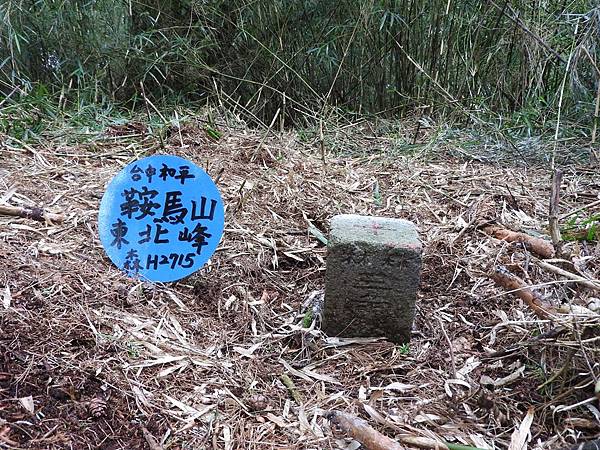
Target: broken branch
[361, 431]
[592, 284]
[31, 213]
[538, 246]
[518, 287]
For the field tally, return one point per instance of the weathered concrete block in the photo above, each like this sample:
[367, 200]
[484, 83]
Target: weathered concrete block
[373, 272]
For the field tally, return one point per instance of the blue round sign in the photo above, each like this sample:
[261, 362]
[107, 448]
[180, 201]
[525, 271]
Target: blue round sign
[161, 218]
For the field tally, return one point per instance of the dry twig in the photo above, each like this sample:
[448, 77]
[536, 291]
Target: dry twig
[151, 440]
[360, 430]
[536, 245]
[518, 287]
[553, 208]
[591, 284]
[31, 213]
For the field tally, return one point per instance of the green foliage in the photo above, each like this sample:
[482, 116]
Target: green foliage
[578, 229]
[404, 349]
[307, 319]
[30, 116]
[538, 372]
[27, 115]
[213, 133]
[133, 349]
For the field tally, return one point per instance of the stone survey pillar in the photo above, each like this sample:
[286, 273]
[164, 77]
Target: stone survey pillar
[373, 272]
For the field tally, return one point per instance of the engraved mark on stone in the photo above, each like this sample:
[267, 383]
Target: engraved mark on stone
[373, 270]
[395, 259]
[355, 255]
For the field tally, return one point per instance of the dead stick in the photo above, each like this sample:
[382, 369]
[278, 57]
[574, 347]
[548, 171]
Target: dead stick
[553, 207]
[538, 246]
[31, 213]
[322, 141]
[450, 348]
[361, 431]
[151, 440]
[421, 442]
[449, 197]
[538, 340]
[575, 211]
[291, 387]
[592, 284]
[563, 369]
[511, 282]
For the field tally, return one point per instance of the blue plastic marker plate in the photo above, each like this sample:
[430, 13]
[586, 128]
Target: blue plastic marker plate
[161, 218]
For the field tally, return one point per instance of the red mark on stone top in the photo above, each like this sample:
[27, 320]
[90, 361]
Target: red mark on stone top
[376, 227]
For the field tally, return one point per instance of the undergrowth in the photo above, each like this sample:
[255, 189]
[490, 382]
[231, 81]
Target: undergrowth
[524, 66]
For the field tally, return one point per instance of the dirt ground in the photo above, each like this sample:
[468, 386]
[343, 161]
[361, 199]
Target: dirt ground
[91, 359]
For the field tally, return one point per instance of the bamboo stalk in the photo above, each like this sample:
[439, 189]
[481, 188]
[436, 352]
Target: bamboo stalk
[31, 213]
[553, 207]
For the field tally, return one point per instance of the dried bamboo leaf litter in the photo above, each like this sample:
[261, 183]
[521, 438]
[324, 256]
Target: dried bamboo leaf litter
[112, 363]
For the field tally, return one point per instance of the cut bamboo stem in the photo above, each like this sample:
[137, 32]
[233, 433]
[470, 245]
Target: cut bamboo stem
[361, 431]
[503, 277]
[538, 246]
[31, 213]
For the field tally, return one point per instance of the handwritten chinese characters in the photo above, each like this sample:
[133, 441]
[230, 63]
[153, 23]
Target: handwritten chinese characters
[161, 218]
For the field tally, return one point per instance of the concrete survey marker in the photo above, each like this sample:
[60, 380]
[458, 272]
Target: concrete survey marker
[373, 272]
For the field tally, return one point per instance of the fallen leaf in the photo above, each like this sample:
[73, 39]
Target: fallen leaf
[247, 352]
[27, 403]
[276, 420]
[6, 298]
[518, 440]
[400, 387]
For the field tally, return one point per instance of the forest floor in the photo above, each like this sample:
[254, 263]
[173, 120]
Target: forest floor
[92, 359]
